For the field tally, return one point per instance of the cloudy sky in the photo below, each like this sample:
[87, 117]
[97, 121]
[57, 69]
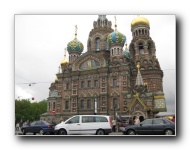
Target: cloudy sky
[40, 41]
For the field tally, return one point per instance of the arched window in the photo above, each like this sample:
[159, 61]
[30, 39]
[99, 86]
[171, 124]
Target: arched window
[53, 105]
[82, 84]
[49, 105]
[115, 103]
[66, 104]
[114, 82]
[97, 44]
[117, 51]
[74, 57]
[149, 49]
[141, 48]
[107, 45]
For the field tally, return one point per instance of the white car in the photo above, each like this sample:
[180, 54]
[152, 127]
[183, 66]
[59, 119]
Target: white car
[85, 124]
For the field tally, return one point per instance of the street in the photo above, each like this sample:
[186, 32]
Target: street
[37, 134]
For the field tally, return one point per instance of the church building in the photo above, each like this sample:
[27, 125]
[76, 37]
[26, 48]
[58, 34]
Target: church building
[109, 79]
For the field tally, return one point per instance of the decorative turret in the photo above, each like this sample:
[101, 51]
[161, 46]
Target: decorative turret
[74, 48]
[140, 86]
[97, 40]
[116, 42]
[126, 52]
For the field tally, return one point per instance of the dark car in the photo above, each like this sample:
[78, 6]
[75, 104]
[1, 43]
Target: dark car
[41, 127]
[154, 126]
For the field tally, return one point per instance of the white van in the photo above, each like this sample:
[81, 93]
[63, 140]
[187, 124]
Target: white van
[85, 124]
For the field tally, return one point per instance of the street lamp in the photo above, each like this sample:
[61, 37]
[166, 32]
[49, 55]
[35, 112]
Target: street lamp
[95, 105]
[114, 111]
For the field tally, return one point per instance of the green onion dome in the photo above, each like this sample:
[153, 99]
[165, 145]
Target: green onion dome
[116, 38]
[75, 46]
[126, 52]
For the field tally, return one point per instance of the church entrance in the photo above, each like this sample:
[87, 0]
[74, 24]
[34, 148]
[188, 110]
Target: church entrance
[139, 114]
[141, 118]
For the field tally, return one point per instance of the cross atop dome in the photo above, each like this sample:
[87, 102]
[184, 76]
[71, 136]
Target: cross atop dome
[76, 31]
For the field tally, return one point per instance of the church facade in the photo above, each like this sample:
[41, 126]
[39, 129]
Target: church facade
[108, 79]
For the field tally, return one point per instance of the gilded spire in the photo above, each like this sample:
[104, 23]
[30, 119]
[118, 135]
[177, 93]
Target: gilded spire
[65, 52]
[76, 31]
[139, 79]
[115, 23]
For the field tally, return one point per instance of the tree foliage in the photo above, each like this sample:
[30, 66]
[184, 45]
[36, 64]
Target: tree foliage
[27, 111]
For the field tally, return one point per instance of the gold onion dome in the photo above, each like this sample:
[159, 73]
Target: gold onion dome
[140, 20]
[64, 62]
[56, 79]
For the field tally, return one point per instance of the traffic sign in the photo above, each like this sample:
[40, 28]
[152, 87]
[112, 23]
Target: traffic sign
[53, 111]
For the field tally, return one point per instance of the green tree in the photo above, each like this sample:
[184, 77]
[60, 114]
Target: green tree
[27, 111]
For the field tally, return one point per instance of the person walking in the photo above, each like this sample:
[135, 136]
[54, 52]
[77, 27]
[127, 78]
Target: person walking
[114, 125]
[137, 121]
[17, 126]
[173, 119]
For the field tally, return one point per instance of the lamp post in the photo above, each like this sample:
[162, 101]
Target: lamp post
[95, 105]
[114, 111]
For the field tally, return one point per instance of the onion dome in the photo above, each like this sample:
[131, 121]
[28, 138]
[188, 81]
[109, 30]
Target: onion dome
[64, 61]
[140, 20]
[56, 79]
[116, 38]
[75, 45]
[126, 52]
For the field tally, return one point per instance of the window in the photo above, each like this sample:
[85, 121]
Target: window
[73, 120]
[103, 84]
[67, 105]
[88, 103]
[107, 45]
[49, 105]
[53, 105]
[98, 44]
[140, 46]
[158, 121]
[74, 92]
[114, 82]
[89, 83]
[117, 51]
[82, 84]
[115, 103]
[67, 86]
[147, 121]
[82, 104]
[96, 83]
[88, 119]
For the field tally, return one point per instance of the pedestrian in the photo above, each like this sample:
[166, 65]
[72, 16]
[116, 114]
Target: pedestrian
[131, 122]
[17, 126]
[137, 121]
[173, 119]
[114, 125]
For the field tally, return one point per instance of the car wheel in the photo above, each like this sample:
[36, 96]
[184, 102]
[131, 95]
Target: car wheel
[131, 132]
[62, 132]
[168, 132]
[24, 131]
[41, 132]
[34, 133]
[100, 132]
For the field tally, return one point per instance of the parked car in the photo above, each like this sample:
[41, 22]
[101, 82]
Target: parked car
[152, 126]
[85, 124]
[41, 127]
